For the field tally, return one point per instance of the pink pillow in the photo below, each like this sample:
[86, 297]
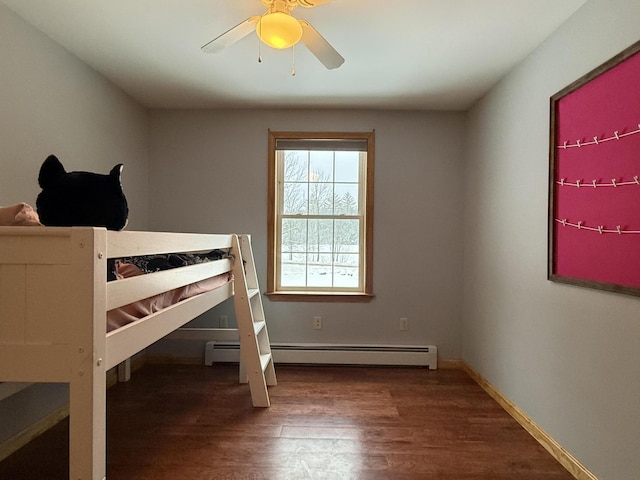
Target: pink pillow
[20, 214]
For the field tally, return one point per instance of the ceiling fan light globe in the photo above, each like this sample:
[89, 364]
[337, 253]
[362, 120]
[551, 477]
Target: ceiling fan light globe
[279, 30]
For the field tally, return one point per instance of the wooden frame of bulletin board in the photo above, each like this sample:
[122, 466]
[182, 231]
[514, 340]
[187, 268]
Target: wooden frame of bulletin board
[594, 178]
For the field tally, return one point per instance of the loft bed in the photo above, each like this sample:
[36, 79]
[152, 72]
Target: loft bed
[55, 301]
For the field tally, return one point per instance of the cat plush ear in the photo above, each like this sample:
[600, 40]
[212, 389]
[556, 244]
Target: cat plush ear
[116, 171]
[50, 171]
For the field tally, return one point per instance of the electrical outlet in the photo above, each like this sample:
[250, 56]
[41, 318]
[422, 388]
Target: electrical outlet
[404, 324]
[223, 321]
[317, 323]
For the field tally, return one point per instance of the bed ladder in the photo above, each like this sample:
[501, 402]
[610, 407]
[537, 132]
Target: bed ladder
[256, 362]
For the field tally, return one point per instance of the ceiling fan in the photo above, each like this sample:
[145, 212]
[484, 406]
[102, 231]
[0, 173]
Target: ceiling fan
[277, 28]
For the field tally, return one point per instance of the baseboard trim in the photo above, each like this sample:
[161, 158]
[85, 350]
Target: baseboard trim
[20, 439]
[450, 364]
[568, 461]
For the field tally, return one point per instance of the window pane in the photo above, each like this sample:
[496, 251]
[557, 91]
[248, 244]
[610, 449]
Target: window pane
[294, 235]
[293, 272]
[320, 166]
[295, 166]
[295, 201]
[346, 271]
[321, 199]
[320, 237]
[347, 236]
[347, 166]
[346, 199]
[319, 270]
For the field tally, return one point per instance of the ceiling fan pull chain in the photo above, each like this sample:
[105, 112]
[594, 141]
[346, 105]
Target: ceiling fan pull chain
[259, 51]
[293, 61]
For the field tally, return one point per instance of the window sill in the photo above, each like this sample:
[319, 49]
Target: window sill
[347, 297]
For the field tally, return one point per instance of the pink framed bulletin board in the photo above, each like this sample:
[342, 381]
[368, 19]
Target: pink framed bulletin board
[594, 178]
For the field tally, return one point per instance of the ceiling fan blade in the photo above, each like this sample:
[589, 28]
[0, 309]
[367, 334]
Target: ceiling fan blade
[320, 47]
[231, 36]
[312, 3]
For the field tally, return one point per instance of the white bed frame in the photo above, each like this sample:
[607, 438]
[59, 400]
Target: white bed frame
[53, 302]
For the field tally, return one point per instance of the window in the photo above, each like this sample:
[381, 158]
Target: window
[320, 216]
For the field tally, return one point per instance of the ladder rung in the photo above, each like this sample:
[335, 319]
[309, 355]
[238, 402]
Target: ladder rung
[265, 358]
[252, 292]
[259, 326]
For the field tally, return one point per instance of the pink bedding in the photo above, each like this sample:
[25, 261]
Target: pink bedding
[130, 313]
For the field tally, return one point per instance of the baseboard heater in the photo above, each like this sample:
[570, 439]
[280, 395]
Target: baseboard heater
[333, 354]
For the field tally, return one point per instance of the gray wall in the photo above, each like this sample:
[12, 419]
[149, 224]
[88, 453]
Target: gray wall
[209, 175]
[567, 356]
[50, 102]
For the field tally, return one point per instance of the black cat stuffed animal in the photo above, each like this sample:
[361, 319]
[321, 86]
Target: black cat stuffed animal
[80, 198]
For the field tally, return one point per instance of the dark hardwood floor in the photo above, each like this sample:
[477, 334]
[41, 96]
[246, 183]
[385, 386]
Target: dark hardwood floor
[173, 422]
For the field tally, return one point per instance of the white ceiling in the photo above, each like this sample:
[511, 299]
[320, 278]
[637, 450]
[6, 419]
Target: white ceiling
[405, 54]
